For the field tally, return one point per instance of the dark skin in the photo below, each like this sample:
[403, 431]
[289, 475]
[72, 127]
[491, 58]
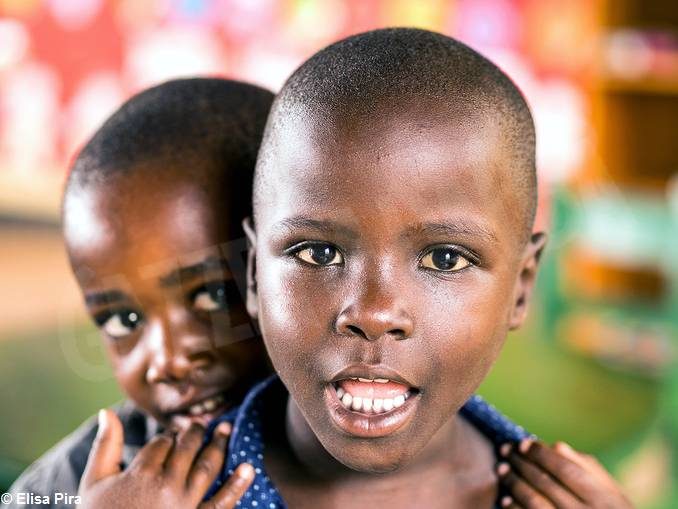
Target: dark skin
[151, 253]
[393, 246]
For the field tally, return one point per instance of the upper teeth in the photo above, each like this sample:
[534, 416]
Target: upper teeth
[369, 405]
[206, 405]
[378, 380]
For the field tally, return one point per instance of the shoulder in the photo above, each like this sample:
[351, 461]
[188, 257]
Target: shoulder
[59, 470]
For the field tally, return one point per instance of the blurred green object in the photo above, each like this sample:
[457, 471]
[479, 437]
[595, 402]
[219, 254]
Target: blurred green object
[559, 395]
[52, 383]
[608, 302]
[609, 285]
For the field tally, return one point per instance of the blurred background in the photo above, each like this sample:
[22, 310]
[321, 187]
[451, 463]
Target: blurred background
[594, 366]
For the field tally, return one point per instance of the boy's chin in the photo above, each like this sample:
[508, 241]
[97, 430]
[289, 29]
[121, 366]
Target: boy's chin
[372, 458]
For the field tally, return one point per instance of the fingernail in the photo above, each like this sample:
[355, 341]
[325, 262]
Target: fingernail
[563, 446]
[525, 445]
[503, 469]
[224, 428]
[245, 471]
[506, 501]
[102, 418]
[505, 449]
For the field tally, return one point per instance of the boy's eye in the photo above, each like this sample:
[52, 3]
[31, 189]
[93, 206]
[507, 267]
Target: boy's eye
[118, 324]
[444, 259]
[320, 254]
[211, 297]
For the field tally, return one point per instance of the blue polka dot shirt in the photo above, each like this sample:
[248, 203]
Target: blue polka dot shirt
[246, 443]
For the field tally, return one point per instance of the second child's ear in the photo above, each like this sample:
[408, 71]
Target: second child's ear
[526, 279]
[252, 295]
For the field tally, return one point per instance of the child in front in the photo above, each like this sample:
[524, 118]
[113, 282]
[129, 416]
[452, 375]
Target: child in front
[392, 251]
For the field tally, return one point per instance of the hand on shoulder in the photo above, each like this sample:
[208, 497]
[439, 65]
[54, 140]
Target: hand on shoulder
[171, 471]
[539, 476]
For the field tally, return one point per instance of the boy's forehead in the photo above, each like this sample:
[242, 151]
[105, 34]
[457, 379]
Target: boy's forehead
[428, 134]
[136, 210]
[395, 155]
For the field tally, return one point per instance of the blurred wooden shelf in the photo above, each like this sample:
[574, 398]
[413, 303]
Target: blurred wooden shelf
[661, 86]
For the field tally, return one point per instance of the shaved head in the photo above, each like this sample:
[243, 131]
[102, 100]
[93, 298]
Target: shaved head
[388, 73]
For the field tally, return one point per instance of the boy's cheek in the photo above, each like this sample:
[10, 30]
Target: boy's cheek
[293, 298]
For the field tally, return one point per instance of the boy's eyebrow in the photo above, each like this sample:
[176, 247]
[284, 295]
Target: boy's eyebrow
[103, 298]
[212, 263]
[465, 228]
[292, 223]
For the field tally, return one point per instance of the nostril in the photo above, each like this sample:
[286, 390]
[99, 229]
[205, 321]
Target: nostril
[355, 330]
[398, 333]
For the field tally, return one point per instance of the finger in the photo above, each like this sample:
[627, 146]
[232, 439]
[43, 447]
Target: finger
[584, 460]
[232, 490]
[569, 473]
[543, 482]
[521, 491]
[210, 461]
[153, 455]
[587, 462]
[188, 443]
[106, 452]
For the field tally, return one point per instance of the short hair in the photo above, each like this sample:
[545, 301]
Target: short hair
[398, 65]
[198, 119]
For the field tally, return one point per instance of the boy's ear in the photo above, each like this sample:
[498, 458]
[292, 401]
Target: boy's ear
[526, 279]
[252, 296]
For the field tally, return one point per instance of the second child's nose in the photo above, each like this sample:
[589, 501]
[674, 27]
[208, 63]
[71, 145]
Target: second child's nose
[168, 362]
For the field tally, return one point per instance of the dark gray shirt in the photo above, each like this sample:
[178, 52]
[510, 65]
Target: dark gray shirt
[56, 475]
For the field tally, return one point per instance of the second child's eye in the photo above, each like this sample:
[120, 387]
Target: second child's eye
[212, 297]
[444, 259]
[119, 324]
[320, 254]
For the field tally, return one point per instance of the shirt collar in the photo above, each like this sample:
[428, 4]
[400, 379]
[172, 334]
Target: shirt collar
[246, 445]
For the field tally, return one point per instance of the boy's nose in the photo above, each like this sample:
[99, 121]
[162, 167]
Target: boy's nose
[168, 361]
[375, 313]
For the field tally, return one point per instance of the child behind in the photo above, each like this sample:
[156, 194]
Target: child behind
[151, 217]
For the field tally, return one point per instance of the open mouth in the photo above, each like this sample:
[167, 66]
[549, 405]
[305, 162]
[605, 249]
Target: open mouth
[370, 407]
[201, 411]
[372, 396]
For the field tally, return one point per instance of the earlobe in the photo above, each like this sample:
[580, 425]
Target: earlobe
[252, 295]
[526, 279]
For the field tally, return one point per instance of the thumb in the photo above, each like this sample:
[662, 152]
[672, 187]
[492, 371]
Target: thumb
[106, 453]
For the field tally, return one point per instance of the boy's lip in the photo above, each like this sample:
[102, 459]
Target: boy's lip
[371, 371]
[364, 424]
